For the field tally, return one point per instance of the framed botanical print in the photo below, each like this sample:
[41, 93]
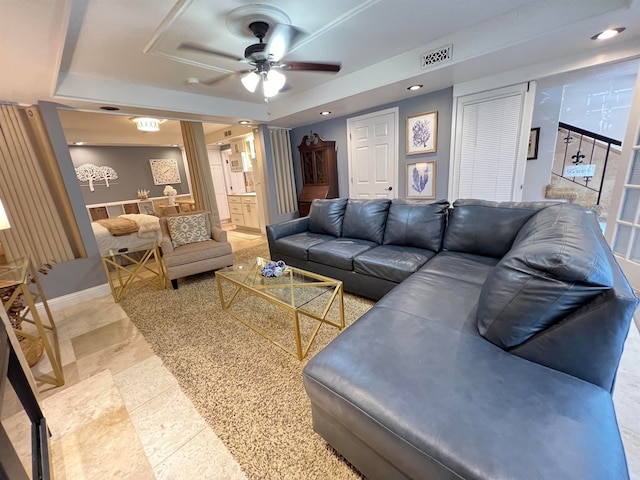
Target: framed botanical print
[422, 133]
[165, 171]
[421, 180]
[534, 138]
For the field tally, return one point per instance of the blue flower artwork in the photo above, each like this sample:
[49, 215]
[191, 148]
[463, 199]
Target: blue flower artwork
[420, 180]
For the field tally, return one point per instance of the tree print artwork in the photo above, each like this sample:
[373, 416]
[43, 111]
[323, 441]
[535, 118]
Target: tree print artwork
[88, 172]
[421, 133]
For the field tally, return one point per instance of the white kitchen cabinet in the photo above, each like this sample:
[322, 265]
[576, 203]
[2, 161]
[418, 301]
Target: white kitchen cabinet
[250, 212]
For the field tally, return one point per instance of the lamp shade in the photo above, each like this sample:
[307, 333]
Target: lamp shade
[4, 220]
[273, 82]
[250, 81]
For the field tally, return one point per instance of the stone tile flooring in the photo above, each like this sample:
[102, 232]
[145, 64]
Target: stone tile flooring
[121, 414]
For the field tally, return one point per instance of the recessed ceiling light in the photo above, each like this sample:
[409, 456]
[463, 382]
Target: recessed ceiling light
[244, 122]
[417, 86]
[608, 33]
[174, 145]
[325, 112]
[79, 143]
[109, 108]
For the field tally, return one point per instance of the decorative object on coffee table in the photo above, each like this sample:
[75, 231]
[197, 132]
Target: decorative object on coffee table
[274, 269]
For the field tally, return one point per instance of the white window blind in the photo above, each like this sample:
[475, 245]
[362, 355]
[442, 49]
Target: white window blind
[489, 149]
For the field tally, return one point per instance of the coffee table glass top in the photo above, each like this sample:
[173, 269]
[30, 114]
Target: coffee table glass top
[295, 287]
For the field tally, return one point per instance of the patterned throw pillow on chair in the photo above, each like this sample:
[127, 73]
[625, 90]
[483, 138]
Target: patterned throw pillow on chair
[189, 229]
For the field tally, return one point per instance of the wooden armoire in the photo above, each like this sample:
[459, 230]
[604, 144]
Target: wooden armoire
[319, 171]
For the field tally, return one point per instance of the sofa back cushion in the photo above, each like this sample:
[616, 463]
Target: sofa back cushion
[326, 216]
[416, 223]
[549, 273]
[486, 228]
[366, 219]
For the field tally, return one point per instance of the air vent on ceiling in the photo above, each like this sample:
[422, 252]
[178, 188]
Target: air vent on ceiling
[437, 56]
[227, 133]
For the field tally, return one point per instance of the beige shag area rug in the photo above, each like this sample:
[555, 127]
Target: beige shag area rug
[247, 389]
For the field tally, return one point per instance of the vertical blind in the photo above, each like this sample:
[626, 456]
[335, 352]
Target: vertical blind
[283, 169]
[489, 148]
[31, 187]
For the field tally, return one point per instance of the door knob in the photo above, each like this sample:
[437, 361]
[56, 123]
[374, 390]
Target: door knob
[390, 188]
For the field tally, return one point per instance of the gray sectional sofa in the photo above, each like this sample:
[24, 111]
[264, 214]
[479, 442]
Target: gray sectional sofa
[492, 351]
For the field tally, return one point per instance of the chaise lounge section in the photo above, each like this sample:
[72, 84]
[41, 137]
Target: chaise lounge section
[493, 349]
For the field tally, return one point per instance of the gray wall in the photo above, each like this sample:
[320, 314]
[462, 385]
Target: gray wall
[335, 129]
[134, 171]
[82, 273]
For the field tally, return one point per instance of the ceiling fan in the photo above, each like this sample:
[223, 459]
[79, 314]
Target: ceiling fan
[266, 59]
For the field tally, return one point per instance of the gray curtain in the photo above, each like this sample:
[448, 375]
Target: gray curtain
[195, 149]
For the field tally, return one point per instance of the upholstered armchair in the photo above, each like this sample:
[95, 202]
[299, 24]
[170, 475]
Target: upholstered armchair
[191, 244]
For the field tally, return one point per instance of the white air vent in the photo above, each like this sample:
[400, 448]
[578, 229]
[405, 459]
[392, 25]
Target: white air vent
[439, 55]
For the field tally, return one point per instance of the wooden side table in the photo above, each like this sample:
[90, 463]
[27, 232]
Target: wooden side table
[23, 278]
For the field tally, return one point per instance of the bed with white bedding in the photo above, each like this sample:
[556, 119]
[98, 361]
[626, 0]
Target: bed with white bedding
[147, 236]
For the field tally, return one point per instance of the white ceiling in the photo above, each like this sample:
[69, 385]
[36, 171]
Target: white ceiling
[84, 54]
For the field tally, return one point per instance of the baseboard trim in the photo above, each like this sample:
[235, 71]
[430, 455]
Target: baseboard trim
[65, 301]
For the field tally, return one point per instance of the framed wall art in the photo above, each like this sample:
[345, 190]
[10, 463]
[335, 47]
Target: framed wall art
[422, 133]
[534, 138]
[165, 171]
[421, 180]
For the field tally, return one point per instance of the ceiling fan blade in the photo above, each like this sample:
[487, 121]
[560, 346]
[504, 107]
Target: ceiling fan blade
[280, 41]
[195, 47]
[213, 81]
[311, 67]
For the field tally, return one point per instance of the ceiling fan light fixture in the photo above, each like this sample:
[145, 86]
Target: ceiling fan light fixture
[250, 81]
[147, 124]
[273, 82]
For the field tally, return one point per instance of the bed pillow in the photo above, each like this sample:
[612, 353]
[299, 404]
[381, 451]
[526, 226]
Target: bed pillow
[186, 229]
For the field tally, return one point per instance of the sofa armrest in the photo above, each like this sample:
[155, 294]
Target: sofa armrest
[284, 229]
[166, 245]
[218, 234]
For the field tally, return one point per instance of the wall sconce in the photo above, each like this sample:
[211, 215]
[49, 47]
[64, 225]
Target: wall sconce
[4, 225]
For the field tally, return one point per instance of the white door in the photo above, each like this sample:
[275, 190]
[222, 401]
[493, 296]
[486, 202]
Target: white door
[373, 155]
[491, 136]
[219, 184]
[623, 221]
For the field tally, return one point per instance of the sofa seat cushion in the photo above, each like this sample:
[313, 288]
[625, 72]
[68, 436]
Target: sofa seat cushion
[439, 403]
[195, 252]
[422, 293]
[339, 253]
[297, 245]
[391, 262]
[547, 275]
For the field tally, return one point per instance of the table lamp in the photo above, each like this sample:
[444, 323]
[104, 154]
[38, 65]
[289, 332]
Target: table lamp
[4, 224]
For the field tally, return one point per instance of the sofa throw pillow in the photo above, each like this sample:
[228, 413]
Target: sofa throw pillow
[486, 228]
[185, 229]
[326, 216]
[416, 223]
[540, 281]
[365, 219]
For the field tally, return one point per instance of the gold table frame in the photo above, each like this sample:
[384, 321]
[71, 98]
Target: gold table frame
[20, 274]
[244, 280]
[126, 274]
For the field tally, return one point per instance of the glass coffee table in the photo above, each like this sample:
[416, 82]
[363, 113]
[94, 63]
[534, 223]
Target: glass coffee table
[298, 292]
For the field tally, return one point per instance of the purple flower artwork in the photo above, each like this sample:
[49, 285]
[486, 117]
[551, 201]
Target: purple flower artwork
[422, 133]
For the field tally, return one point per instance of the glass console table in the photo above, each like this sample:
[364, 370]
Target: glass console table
[22, 278]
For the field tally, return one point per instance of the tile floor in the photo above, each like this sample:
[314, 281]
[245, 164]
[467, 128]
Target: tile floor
[121, 414]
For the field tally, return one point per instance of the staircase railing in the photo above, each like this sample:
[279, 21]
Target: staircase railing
[580, 158]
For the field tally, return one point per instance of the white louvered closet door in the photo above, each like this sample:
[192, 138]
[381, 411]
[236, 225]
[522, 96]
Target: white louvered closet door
[623, 220]
[490, 146]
